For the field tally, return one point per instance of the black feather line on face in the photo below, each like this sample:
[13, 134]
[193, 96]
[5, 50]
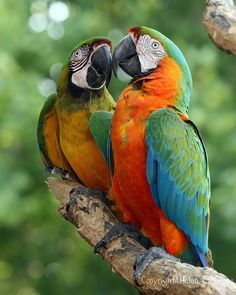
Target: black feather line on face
[76, 66]
[77, 63]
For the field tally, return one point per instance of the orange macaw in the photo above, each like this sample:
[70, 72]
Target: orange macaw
[161, 181]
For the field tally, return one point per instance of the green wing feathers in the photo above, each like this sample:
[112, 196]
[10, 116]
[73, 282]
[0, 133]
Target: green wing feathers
[48, 137]
[177, 171]
[46, 112]
[99, 125]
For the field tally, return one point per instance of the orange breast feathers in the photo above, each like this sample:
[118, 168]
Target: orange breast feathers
[130, 189]
[161, 87]
[81, 151]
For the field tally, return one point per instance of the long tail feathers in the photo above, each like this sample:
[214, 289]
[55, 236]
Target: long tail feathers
[202, 257]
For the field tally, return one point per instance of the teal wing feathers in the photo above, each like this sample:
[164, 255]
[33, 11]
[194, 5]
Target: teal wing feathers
[178, 174]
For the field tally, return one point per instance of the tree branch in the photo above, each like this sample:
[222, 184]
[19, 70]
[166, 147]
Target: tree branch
[93, 220]
[220, 23]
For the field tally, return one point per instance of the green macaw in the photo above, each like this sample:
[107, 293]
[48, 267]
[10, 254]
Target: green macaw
[68, 126]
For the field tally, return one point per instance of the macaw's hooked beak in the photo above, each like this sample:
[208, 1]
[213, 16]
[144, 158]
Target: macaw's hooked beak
[99, 73]
[125, 56]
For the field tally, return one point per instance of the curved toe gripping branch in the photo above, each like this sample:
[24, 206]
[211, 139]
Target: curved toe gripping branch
[59, 172]
[93, 220]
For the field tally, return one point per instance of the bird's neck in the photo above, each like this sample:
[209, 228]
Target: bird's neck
[89, 101]
[73, 97]
[165, 86]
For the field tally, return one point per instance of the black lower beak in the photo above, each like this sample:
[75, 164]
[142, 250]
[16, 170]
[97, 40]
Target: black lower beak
[125, 56]
[99, 73]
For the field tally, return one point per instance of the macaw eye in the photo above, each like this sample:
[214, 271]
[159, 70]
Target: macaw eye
[155, 45]
[77, 53]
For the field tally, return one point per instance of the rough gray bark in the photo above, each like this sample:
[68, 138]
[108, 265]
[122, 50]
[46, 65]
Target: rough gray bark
[93, 220]
[220, 23]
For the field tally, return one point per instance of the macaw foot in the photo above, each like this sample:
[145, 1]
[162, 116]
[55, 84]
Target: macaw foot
[117, 231]
[95, 193]
[64, 174]
[145, 259]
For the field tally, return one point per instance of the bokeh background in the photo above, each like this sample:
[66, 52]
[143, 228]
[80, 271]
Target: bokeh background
[40, 253]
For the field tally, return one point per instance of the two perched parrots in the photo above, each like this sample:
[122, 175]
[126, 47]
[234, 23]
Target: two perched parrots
[68, 127]
[161, 181]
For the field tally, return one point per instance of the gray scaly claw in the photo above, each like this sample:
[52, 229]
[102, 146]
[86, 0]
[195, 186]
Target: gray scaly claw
[95, 193]
[64, 174]
[145, 259]
[115, 232]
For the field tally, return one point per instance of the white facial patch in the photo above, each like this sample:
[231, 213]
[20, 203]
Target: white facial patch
[150, 52]
[79, 77]
[79, 64]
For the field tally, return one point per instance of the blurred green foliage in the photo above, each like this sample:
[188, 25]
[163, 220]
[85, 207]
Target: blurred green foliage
[39, 252]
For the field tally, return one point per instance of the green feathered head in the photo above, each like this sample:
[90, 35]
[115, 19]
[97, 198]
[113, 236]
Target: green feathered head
[88, 66]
